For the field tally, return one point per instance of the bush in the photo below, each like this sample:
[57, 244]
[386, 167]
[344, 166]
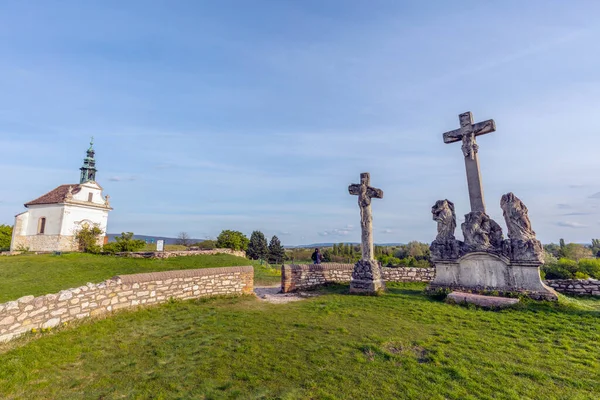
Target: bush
[206, 245]
[87, 239]
[124, 243]
[590, 267]
[563, 269]
[233, 240]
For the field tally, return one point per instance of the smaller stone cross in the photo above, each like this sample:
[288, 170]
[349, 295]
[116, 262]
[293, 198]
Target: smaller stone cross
[365, 193]
[467, 133]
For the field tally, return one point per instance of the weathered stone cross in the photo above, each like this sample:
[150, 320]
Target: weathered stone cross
[467, 133]
[365, 193]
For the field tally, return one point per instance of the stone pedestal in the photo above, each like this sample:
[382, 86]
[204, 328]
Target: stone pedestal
[367, 277]
[484, 272]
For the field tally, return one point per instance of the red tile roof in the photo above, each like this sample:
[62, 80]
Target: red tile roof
[55, 196]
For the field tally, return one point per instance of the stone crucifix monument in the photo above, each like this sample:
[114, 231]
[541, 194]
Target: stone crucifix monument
[485, 261]
[367, 276]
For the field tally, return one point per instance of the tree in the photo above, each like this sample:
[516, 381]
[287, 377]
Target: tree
[124, 243]
[276, 251]
[87, 238]
[257, 248]
[183, 239]
[595, 247]
[233, 240]
[5, 237]
[575, 251]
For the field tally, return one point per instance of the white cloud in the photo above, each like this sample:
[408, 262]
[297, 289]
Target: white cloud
[571, 224]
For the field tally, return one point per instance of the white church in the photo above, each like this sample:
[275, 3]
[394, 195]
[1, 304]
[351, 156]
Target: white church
[52, 220]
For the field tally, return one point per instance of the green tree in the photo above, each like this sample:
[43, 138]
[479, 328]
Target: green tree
[257, 248]
[553, 249]
[87, 239]
[276, 251]
[576, 251]
[5, 237]
[233, 240]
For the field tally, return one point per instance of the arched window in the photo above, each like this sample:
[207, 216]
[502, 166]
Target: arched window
[42, 225]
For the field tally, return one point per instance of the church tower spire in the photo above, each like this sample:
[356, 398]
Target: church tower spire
[88, 171]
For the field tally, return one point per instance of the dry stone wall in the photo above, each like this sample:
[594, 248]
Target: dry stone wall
[120, 292]
[576, 287]
[183, 253]
[301, 277]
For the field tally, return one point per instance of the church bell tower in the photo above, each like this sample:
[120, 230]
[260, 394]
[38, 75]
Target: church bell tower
[88, 171]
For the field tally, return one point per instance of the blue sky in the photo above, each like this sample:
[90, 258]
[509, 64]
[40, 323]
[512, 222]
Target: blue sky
[245, 115]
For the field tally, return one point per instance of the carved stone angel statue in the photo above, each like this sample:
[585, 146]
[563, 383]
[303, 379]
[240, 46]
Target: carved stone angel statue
[517, 220]
[443, 213]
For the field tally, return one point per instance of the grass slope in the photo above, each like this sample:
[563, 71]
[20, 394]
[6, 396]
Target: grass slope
[400, 345]
[41, 274]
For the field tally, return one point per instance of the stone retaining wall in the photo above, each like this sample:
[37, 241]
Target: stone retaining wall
[576, 287]
[301, 277]
[183, 253]
[125, 291]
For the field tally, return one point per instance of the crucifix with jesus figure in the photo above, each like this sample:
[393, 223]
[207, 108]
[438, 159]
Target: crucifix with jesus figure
[467, 133]
[365, 193]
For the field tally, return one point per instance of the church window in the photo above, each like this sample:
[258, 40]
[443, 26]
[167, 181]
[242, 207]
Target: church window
[90, 197]
[42, 225]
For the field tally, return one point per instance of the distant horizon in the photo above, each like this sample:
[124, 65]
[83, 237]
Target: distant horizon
[319, 244]
[208, 116]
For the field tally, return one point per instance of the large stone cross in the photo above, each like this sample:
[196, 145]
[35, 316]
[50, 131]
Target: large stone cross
[365, 193]
[467, 133]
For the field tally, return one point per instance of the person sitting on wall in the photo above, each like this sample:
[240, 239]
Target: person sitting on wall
[317, 257]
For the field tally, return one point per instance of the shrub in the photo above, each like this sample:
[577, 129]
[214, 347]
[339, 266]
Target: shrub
[124, 243]
[87, 239]
[206, 245]
[590, 267]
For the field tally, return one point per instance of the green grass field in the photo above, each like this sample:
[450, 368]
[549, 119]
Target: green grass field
[41, 274]
[399, 345]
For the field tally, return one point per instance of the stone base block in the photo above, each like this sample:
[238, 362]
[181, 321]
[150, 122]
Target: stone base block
[367, 277]
[485, 272]
[367, 286]
[482, 301]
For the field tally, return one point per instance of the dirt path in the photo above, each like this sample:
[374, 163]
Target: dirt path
[272, 294]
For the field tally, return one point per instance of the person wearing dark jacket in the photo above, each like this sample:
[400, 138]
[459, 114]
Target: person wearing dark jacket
[317, 257]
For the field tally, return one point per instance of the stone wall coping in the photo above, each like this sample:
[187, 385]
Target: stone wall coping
[184, 273]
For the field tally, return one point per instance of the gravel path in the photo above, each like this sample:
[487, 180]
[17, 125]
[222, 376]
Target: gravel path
[272, 295]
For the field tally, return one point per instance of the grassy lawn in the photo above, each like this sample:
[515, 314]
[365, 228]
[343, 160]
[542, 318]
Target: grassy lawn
[398, 345]
[41, 274]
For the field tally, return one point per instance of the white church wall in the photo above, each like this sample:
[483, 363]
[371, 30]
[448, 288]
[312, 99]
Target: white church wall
[53, 214]
[76, 215]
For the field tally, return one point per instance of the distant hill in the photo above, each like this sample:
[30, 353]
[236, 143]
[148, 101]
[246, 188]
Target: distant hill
[315, 245]
[151, 239]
